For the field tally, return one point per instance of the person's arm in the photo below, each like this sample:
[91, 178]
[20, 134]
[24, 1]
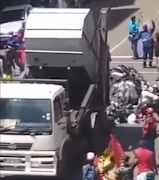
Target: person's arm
[84, 170]
[130, 29]
[153, 26]
[137, 26]
[156, 166]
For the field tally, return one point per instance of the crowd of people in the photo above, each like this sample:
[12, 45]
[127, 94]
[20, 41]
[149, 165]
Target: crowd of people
[150, 43]
[144, 157]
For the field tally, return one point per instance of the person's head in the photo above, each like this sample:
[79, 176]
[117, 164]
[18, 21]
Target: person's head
[149, 111]
[157, 36]
[145, 28]
[143, 144]
[133, 19]
[23, 24]
[90, 157]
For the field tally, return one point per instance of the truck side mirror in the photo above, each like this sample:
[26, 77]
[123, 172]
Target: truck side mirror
[65, 101]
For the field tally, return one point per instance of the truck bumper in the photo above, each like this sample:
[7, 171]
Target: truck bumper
[28, 163]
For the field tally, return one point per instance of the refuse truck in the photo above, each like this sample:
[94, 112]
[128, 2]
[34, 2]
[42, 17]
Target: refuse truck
[46, 116]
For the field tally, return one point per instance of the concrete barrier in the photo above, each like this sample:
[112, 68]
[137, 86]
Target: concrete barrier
[128, 135]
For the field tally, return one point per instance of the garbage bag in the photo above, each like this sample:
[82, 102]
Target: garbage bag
[132, 119]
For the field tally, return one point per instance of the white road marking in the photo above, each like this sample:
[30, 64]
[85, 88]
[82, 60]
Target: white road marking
[124, 40]
[126, 62]
[122, 57]
[145, 72]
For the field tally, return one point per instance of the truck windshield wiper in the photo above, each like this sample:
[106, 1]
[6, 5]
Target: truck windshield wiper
[35, 130]
[31, 130]
[5, 129]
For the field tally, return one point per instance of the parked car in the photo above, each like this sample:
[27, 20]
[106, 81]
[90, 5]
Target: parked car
[11, 21]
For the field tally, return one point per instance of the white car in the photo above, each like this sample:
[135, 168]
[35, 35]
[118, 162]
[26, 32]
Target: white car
[11, 21]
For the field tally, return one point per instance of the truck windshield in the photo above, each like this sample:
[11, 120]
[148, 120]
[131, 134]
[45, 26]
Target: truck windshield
[29, 112]
[13, 15]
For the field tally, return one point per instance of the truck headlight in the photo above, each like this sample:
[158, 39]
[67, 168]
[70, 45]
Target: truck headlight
[42, 162]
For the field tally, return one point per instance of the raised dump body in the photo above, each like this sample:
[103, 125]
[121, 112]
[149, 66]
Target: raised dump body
[63, 44]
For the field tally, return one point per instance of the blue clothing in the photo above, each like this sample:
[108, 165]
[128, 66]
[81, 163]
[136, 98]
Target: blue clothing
[148, 144]
[89, 172]
[134, 28]
[147, 38]
[147, 41]
[15, 42]
[148, 53]
[134, 32]
[134, 44]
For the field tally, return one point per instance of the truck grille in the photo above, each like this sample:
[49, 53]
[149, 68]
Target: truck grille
[28, 163]
[19, 146]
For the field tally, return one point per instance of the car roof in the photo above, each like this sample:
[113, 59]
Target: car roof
[23, 6]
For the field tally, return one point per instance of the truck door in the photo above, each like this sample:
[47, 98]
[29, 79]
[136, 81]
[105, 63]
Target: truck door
[60, 121]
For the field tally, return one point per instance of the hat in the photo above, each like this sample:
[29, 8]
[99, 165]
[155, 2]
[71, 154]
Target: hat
[90, 156]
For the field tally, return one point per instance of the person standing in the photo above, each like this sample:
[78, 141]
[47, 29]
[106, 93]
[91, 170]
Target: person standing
[148, 43]
[133, 35]
[89, 170]
[149, 130]
[156, 49]
[14, 43]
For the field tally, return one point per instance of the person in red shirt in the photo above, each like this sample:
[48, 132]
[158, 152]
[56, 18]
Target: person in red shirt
[150, 126]
[146, 162]
[149, 130]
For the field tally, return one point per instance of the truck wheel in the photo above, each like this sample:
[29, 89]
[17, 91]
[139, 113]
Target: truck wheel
[63, 163]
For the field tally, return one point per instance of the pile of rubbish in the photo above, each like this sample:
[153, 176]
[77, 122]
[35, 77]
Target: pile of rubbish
[130, 93]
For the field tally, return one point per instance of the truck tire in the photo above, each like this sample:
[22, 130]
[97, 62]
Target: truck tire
[64, 162]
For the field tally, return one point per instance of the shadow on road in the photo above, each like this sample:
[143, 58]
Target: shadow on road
[116, 16]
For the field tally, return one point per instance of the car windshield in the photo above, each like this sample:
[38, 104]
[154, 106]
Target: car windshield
[28, 112]
[13, 15]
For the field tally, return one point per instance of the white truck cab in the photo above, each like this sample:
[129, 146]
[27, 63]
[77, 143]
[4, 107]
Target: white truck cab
[33, 128]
